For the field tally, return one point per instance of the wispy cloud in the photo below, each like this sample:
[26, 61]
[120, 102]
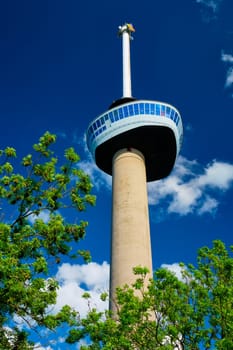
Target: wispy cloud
[98, 177]
[209, 9]
[229, 78]
[228, 59]
[212, 4]
[38, 346]
[61, 134]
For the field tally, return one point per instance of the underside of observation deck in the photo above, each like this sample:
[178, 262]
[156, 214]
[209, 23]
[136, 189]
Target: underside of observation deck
[157, 144]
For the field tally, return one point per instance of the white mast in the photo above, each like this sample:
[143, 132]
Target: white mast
[125, 31]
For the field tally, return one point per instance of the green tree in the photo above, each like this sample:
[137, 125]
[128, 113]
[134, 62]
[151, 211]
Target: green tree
[195, 312]
[34, 235]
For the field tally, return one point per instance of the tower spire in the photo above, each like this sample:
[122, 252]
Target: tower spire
[125, 31]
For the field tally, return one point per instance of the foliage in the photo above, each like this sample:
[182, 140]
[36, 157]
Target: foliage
[195, 312]
[34, 236]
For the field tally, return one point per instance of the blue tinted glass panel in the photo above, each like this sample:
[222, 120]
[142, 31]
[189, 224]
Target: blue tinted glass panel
[106, 117]
[104, 127]
[102, 120]
[136, 108]
[168, 111]
[111, 117]
[115, 115]
[172, 114]
[131, 111]
[141, 106]
[158, 109]
[98, 123]
[162, 110]
[94, 126]
[120, 111]
[176, 118]
[147, 108]
[152, 108]
[125, 109]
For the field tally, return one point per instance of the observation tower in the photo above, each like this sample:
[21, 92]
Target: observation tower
[135, 141]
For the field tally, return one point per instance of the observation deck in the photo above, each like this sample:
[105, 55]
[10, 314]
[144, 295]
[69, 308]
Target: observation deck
[152, 127]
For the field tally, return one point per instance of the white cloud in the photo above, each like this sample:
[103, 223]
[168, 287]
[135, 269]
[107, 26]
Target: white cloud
[174, 268]
[98, 177]
[184, 199]
[74, 280]
[217, 175]
[229, 78]
[24, 322]
[38, 346]
[82, 343]
[209, 206]
[228, 58]
[44, 215]
[190, 189]
[93, 275]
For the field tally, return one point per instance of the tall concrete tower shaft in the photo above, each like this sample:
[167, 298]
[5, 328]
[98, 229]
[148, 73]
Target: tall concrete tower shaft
[135, 141]
[130, 219]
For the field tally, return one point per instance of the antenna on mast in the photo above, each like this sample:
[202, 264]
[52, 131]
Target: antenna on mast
[125, 31]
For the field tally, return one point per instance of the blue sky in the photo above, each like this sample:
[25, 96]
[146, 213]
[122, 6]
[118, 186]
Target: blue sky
[60, 67]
